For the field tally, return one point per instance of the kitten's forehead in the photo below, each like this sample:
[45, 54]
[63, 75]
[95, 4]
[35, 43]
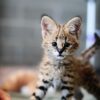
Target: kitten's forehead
[61, 34]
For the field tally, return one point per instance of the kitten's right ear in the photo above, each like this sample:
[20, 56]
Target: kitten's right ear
[48, 26]
[74, 26]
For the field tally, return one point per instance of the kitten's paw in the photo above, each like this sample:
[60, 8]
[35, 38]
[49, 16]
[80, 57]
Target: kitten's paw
[25, 90]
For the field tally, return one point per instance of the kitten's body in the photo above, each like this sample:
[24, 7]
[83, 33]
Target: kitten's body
[59, 64]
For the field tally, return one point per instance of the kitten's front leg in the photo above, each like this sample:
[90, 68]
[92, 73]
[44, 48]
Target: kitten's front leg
[67, 91]
[41, 90]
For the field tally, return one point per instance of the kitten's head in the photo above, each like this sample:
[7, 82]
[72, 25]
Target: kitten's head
[60, 40]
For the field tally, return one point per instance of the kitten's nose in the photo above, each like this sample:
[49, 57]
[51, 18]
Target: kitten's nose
[60, 51]
[60, 55]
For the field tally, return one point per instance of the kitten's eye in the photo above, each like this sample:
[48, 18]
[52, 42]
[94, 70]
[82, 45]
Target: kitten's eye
[54, 44]
[67, 44]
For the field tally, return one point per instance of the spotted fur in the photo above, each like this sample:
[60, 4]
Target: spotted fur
[58, 63]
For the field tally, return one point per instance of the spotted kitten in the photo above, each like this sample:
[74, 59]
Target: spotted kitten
[59, 42]
[58, 64]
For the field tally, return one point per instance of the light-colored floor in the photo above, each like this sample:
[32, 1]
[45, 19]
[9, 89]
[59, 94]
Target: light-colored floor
[17, 96]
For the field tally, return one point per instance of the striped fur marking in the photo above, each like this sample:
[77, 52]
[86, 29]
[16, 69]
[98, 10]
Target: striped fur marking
[66, 87]
[70, 95]
[37, 97]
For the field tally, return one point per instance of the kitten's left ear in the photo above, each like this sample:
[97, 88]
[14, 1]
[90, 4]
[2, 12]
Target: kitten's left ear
[74, 26]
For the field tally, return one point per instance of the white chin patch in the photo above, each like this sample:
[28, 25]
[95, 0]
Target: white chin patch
[56, 55]
[60, 57]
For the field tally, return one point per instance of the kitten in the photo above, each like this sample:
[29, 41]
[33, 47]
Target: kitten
[59, 65]
[59, 43]
[27, 85]
[88, 53]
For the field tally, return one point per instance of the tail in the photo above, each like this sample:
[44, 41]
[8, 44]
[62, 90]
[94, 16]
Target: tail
[87, 54]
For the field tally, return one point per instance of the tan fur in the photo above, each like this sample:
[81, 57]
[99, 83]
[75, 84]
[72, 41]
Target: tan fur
[14, 81]
[73, 72]
[56, 63]
[59, 63]
[28, 79]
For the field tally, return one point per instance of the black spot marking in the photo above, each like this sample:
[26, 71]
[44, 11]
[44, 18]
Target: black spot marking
[64, 82]
[42, 88]
[67, 87]
[33, 94]
[63, 98]
[45, 81]
[70, 95]
[37, 97]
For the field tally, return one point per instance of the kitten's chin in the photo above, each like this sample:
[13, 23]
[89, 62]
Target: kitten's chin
[60, 57]
[56, 57]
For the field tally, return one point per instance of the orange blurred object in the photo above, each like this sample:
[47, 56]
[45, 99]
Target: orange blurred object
[4, 95]
[16, 80]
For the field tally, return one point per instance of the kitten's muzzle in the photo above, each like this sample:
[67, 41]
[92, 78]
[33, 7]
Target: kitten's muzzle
[60, 51]
[60, 55]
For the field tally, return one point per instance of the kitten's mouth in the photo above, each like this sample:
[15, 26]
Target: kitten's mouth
[60, 56]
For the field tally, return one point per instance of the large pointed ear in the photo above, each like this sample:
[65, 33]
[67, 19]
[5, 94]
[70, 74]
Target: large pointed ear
[48, 26]
[74, 26]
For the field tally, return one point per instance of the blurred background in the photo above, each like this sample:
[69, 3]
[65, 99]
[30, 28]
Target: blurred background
[20, 32]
